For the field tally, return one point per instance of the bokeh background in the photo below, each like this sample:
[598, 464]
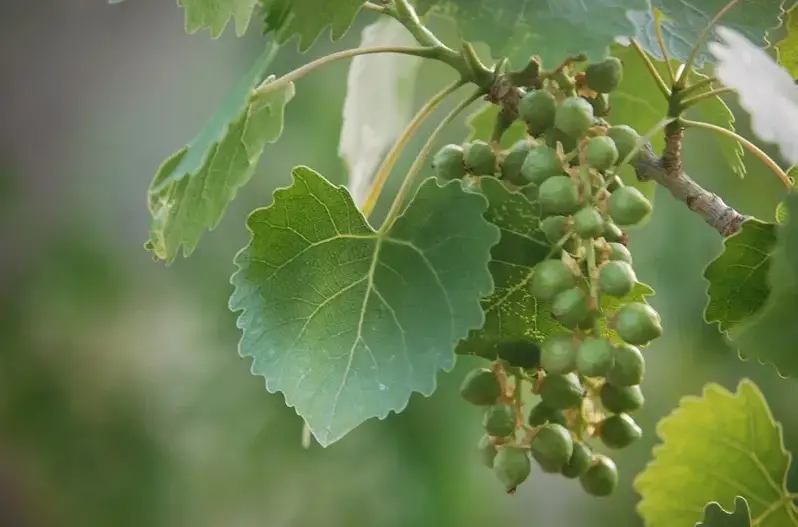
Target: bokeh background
[122, 398]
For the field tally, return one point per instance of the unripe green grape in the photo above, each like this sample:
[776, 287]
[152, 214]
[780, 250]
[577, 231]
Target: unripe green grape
[554, 228]
[600, 104]
[449, 162]
[512, 467]
[559, 195]
[601, 478]
[561, 392]
[537, 109]
[620, 399]
[479, 158]
[625, 138]
[514, 160]
[552, 447]
[499, 420]
[570, 307]
[480, 387]
[549, 278]
[559, 354]
[604, 76]
[521, 353]
[628, 206]
[541, 414]
[588, 223]
[555, 136]
[601, 153]
[487, 451]
[619, 252]
[629, 366]
[638, 324]
[612, 233]
[574, 116]
[580, 461]
[594, 358]
[616, 278]
[619, 431]
[541, 163]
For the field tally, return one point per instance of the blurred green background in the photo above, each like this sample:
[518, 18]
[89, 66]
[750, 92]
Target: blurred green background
[123, 401]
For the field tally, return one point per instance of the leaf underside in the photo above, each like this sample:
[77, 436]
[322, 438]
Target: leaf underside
[346, 321]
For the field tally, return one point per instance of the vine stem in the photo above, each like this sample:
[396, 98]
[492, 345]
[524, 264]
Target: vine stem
[393, 155]
[651, 69]
[702, 38]
[415, 168]
[641, 143]
[690, 101]
[751, 147]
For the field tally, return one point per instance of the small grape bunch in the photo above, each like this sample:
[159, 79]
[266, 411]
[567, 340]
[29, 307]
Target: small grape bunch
[588, 374]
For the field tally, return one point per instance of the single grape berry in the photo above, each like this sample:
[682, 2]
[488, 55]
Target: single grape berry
[554, 228]
[549, 278]
[604, 76]
[514, 160]
[612, 233]
[521, 353]
[580, 461]
[499, 420]
[601, 478]
[487, 451]
[619, 431]
[449, 162]
[559, 353]
[555, 135]
[628, 368]
[552, 447]
[588, 223]
[574, 116]
[616, 278]
[540, 164]
[480, 159]
[625, 138]
[600, 104]
[540, 414]
[480, 387]
[570, 308]
[638, 324]
[619, 399]
[512, 467]
[594, 358]
[561, 392]
[601, 153]
[619, 252]
[559, 195]
[628, 206]
[537, 109]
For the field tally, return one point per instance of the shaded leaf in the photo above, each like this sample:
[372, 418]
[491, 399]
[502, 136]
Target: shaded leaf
[715, 448]
[481, 123]
[788, 47]
[738, 278]
[191, 189]
[766, 90]
[348, 322]
[683, 22]
[308, 18]
[213, 15]
[378, 103]
[715, 516]
[517, 29]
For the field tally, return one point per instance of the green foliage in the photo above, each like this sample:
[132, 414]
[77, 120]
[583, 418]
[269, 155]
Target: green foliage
[715, 516]
[518, 28]
[192, 188]
[480, 126]
[788, 47]
[213, 15]
[714, 448]
[330, 313]
[308, 18]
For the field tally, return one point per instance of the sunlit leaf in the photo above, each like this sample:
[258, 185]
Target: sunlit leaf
[347, 322]
[715, 516]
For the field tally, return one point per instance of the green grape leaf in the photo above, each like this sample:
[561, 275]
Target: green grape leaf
[511, 312]
[788, 47]
[714, 448]
[738, 278]
[771, 334]
[348, 322]
[638, 103]
[308, 18]
[683, 22]
[715, 516]
[517, 29]
[213, 15]
[480, 126]
[781, 209]
[192, 188]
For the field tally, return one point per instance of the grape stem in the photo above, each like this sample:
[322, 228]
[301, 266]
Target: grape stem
[687, 102]
[651, 69]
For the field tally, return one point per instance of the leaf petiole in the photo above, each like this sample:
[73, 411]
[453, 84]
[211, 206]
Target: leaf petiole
[695, 99]
[661, 42]
[651, 69]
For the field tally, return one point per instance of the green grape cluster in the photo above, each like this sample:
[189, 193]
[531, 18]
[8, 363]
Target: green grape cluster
[588, 374]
